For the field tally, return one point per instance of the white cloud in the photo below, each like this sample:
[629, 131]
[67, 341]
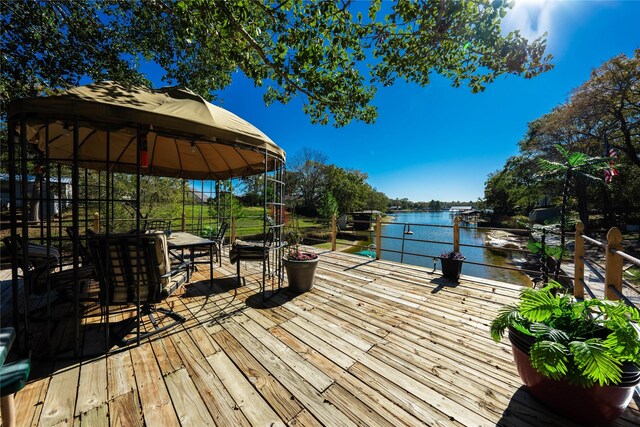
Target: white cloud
[532, 17]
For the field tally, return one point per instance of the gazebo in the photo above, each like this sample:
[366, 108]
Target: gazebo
[113, 143]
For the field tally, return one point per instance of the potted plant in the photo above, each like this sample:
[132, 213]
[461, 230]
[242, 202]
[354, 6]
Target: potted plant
[300, 266]
[451, 264]
[580, 358]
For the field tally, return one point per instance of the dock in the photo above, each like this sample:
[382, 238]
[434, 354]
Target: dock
[375, 343]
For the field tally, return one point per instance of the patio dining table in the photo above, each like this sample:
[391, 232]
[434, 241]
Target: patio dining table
[180, 241]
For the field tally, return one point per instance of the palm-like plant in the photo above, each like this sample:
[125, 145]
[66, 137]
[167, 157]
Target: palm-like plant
[583, 341]
[572, 165]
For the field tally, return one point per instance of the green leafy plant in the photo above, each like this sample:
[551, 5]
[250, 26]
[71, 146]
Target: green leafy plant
[585, 342]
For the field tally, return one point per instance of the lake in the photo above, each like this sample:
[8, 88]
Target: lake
[394, 241]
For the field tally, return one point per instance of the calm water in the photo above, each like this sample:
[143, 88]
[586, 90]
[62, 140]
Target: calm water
[443, 234]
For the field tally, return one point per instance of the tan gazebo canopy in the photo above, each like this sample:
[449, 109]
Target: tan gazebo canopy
[186, 136]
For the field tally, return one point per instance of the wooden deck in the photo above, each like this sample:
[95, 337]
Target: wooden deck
[375, 343]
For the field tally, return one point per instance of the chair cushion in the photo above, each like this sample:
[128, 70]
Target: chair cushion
[172, 283]
[247, 252]
[13, 376]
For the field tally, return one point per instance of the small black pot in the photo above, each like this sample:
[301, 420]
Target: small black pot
[451, 268]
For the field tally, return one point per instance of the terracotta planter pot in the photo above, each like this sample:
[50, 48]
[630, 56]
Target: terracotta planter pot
[301, 274]
[595, 405]
[451, 268]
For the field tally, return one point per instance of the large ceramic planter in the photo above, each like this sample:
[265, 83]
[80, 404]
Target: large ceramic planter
[595, 405]
[301, 274]
[451, 268]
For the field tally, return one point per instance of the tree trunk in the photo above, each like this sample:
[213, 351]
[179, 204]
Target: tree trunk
[563, 220]
[581, 195]
[34, 203]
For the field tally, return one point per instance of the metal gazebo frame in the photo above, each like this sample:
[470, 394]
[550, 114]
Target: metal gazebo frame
[98, 131]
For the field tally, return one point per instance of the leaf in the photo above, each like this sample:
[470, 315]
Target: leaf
[624, 343]
[592, 358]
[507, 316]
[538, 306]
[552, 334]
[549, 358]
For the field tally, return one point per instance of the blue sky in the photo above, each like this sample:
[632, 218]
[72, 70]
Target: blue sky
[439, 142]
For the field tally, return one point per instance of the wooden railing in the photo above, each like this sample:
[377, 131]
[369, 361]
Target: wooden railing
[613, 264]
[612, 249]
[613, 268]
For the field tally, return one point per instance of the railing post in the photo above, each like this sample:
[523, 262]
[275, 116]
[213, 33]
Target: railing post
[232, 238]
[96, 222]
[456, 234]
[378, 235]
[613, 264]
[578, 262]
[333, 232]
[184, 222]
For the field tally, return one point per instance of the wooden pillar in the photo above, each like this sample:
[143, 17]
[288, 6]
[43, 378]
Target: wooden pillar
[456, 234]
[96, 222]
[613, 264]
[184, 222]
[232, 238]
[334, 233]
[378, 236]
[578, 262]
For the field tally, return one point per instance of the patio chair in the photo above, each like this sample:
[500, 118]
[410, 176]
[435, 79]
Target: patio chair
[41, 276]
[209, 251]
[38, 268]
[136, 267]
[85, 255]
[157, 224]
[243, 251]
[219, 241]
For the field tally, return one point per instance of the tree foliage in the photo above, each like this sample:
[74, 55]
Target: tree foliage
[308, 167]
[331, 54]
[602, 113]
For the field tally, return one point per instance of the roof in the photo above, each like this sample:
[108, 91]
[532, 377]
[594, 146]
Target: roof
[367, 211]
[460, 208]
[32, 178]
[184, 135]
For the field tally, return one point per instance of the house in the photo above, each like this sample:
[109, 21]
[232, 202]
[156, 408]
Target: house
[59, 193]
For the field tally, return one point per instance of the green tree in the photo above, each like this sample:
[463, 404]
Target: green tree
[308, 166]
[610, 102]
[514, 189]
[348, 188]
[328, 206]
[331, 54]
[435, 205]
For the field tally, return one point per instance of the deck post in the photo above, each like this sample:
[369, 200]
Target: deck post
[613, 264]
[456, 234]
[578, 262]
[184, 222]
[378, 235]
[96, 222]
[333, 232]
[232, 238]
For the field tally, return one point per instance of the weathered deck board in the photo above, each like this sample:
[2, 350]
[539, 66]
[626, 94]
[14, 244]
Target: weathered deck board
[374, 343]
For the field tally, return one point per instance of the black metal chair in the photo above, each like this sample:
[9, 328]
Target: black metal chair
[219, 239]
[135, 268]
[244, 251]
[157, 224]
[198, 252]
[42, 276]
[39, 267]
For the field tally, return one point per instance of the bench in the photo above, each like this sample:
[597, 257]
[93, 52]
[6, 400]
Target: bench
[13, 377]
